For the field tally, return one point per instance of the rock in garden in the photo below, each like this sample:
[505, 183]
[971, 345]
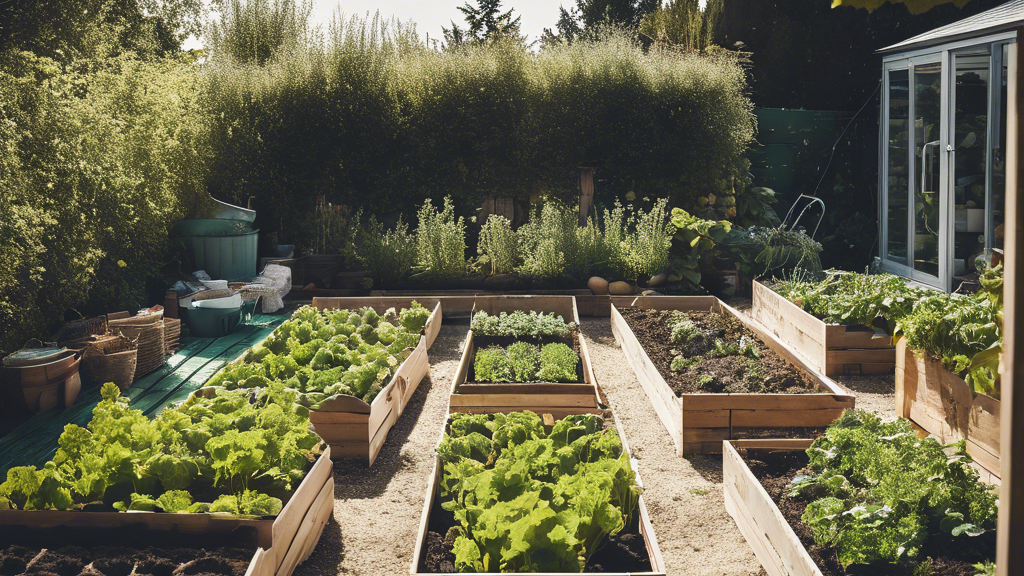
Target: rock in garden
[598, 285]
[620, 288]
[657, 281]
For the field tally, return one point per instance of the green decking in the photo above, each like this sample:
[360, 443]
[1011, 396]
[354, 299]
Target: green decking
[35, 441]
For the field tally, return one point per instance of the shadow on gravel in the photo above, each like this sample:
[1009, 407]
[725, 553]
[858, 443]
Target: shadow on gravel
[327, 556]
[709, 466]
[885, 384]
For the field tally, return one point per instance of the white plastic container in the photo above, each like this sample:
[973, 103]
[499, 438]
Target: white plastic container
[221, 303]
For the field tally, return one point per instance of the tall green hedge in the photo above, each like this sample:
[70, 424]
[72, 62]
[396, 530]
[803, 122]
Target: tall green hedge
[97, 160]
[370, 116]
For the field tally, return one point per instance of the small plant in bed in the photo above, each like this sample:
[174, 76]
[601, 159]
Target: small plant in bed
[870, 497]
[711, 352]
[525, 362]
[517, 497]
[320, 354]
[519, 324]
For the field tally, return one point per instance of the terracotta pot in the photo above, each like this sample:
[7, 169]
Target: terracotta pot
[39, 388]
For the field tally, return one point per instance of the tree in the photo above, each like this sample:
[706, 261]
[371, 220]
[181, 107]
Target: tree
[914, 6]
[484, 23]
[589, 15]
[683, 24]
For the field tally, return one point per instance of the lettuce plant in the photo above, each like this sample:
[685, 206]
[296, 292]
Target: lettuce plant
[558, 363]
[529, 501]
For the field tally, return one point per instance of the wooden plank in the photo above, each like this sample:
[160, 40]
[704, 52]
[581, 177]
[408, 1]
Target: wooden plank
[1010, 533]
[287, 522]
[699, 422]
[323, 517]
[872, 356]
[943, 405]
[554, 411]
[762, 524]
[256, 564]
[553, 400]
[307, 529]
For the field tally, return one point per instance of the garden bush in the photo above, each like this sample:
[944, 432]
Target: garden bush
[372, 117]
[499, 244]
[440, 242]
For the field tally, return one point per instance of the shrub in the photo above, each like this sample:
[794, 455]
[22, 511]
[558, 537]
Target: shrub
[441, 242]
[638, 241]
[498, 242]
[525, 360]
[387, 253]
[492, 365]
[558, 363]
[555, 247]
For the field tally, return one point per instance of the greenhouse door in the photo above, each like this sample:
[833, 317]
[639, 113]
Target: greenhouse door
[915, 201]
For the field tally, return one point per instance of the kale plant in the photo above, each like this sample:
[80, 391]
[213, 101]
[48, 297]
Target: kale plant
[878, 494]
[520, 324]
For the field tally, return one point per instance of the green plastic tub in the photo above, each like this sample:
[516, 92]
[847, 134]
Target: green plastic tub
[212, 322]
[225, 249]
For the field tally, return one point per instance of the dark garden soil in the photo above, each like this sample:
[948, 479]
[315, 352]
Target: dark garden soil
[775, 470]
[119, 552]
[737, 374]
[480, 342]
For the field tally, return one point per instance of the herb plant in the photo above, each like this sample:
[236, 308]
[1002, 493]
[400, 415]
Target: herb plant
[525, 500]
[498, 242]
[321, 354]
[880, 495]
[521, 324]
[492, 364]
[388, 254]
[230, 451]
[525, 359]
[557, 363]
[441, 242]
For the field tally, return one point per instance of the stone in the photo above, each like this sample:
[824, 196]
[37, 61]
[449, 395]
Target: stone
[620, 288]
[598, 285]
[657, 281]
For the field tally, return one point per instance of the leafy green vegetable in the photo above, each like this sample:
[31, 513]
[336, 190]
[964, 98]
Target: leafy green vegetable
[878, 494]
[251, 448]
[525, 361]
[527, 501]
[849, 299]
[558, 363]
[320, 354]
[492, 365]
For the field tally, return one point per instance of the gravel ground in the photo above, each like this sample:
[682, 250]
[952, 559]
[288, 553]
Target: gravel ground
[377, 510]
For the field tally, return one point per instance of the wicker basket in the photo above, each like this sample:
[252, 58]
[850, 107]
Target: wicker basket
[151, 352]
[212, 294]
[172, 335]
[111, 359]
[137, 320]
[78, 330]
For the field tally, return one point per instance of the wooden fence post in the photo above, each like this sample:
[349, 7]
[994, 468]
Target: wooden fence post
[1010, 552]
[586, 192]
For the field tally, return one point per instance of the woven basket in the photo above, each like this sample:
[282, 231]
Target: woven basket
[138, 320]
[112, 359]
[172, 335]
[151, 352]
[211, 294]
[78, 330]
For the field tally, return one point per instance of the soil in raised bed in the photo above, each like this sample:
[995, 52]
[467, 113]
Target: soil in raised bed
[736, 374]
[775, 470]
[480, 342]
[120, 552]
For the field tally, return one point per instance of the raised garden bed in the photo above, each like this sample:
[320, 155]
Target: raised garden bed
[351, 426]
[940, 403]
[559, 399]
[757, 479]
[830, 349]
[699, 421]
[634, 551]
[283, 541]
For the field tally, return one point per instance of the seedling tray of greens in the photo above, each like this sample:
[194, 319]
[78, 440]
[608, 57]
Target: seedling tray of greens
[518, 493]
[524, 347]
[866, 497]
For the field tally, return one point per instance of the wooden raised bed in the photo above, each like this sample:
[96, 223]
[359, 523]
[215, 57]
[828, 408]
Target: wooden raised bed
[558, 399]
[829, 349]
[760, 521]
[284, 541]
[353, 428]
[698, 423]
[646, 528]
[940, 403]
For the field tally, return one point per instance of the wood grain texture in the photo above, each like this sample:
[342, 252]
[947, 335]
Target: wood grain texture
[942, 404]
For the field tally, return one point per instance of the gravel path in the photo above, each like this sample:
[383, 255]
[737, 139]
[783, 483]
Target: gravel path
[377, 510]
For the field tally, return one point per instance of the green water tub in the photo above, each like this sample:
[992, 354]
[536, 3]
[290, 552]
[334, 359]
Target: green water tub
[226, 249]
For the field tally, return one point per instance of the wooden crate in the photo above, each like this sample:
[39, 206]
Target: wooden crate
[559, 399]
[646, 528]
[940, 403]
[283, 542]
[771, 537]
[381, 304]
[829, 349]
[698, 423]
